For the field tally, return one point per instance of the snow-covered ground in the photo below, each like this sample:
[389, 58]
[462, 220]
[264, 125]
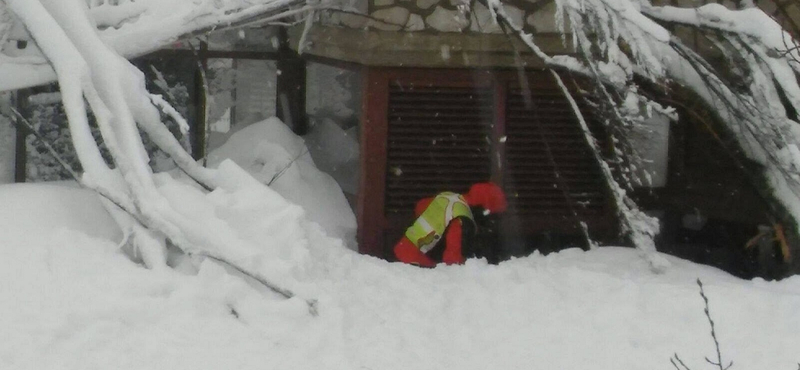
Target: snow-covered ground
[69, 299]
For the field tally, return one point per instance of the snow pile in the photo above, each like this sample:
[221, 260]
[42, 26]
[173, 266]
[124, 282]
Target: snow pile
[275, 156]
[35, 211]
[73, 301]
[336, 152]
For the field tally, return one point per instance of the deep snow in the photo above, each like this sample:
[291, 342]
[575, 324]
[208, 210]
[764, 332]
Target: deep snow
[71, 300]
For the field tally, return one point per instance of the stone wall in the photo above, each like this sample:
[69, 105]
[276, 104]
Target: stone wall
[447, 16]
[537, 16]
[447, 33]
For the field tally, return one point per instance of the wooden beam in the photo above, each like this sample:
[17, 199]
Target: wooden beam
[21, 148]
[213, 54]
[199, 134]
[427, 50]
[290, 95]
[372, 184]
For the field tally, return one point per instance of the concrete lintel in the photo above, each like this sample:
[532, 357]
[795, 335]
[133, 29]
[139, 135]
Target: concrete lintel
[424, 49]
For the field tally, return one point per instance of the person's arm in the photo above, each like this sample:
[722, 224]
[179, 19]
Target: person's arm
[406, 252]
[452, 252]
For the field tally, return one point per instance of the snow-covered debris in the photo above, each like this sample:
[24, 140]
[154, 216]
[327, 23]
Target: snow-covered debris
[280, 159]
[336, 152]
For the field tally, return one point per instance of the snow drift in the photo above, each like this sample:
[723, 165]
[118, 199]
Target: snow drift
[70, 300]
[278, 158]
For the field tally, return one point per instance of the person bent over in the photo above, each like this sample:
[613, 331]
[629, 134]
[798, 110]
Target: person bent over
[447, 216]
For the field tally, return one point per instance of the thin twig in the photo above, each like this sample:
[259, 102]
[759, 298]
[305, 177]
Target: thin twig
[718, 363]
[20, 119]
[278, 174]
[675, 360]
[312, 303]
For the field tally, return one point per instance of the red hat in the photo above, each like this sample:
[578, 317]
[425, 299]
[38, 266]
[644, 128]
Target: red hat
[487, 195]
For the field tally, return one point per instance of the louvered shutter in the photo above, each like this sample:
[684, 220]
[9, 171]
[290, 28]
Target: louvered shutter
[438, 140]
[549, 168]
[442, 131]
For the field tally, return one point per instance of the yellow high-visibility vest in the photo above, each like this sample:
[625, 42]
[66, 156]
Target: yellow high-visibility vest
[429, 227]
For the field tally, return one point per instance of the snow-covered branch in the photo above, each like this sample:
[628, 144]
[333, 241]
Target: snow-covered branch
[615, 70]
[135, 28]
[621, 41]
[88, 65]
[751, 22]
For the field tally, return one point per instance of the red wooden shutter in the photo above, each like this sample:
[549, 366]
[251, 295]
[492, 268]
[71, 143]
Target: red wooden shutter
[442, 135]
[438, 140]
[549, 169]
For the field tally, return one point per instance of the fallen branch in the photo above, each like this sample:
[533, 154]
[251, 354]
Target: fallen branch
[20, 120]
[631, 218]
[641, 236]
[147, 223]
[280, 173]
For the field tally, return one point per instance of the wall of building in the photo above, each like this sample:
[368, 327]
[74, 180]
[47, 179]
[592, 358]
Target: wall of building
[445, 16]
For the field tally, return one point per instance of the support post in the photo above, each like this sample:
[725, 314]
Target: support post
[372, 187]
[21, 152]
[290, 104]
[200, 127]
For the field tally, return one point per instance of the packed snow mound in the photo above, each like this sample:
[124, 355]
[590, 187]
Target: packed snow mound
[336, 152]
[35, 210]
[276, 157]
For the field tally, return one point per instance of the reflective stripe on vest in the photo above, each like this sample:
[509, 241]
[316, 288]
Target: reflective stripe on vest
[429, 227]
